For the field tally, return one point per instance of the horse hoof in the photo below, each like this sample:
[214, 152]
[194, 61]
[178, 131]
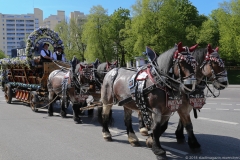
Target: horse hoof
[108, 139]
[135, 144]
[161, 157]
[133, 140]
[144, 131]
[63, 115]
[107, 136]
[181, 140]
[149, 142]
[50, 114]
[78, 121]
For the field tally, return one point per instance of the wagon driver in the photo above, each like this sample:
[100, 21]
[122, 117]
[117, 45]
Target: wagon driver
[59, 55]
[46, 55]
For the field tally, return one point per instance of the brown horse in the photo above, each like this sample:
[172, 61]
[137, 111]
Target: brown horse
[147, 90]
[68, 85]
[211, 67]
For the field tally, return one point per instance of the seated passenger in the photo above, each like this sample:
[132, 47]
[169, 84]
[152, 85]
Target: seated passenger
[59, 55]
[46, 55]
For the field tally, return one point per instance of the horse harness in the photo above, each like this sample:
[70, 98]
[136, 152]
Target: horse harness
[138, 89]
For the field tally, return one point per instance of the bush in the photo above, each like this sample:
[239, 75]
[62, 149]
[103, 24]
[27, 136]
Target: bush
[234, 76]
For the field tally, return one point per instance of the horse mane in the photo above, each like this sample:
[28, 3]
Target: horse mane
[199, 55]
[165, 60]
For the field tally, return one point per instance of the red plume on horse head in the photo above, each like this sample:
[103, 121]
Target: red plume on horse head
[180, 48]
[209, 48]
[191, 49]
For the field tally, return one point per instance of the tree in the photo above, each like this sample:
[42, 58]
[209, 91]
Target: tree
[76, 28]
[228, 17]
[2, 54]
[64, 32]
[115, 26]
[95, 35]
[209, 31]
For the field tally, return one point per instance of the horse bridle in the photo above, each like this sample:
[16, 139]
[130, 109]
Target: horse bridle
[188, 58]
[219, 77]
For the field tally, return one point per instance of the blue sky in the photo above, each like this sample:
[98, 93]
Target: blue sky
[50, 7]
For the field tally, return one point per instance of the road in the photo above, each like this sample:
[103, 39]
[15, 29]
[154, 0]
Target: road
[25, 135]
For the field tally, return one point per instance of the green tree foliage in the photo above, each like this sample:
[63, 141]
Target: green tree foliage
[116, 24]
[222, 29]
[64, 32]
[209, 31]
[76, 27]
[2, 54]
[229, 22]
[158, 24]
[162, 23]
[95, 35]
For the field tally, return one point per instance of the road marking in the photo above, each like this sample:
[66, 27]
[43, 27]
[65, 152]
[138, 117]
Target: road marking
[238, 104]
[222, 109]
[169, 148]
[211, 103]
[218, 98]
[236, 109]
[206, 108]
[226, 104]
[215, 120]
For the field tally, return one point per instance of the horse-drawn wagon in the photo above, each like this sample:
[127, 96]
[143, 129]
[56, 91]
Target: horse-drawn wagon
[24, 77]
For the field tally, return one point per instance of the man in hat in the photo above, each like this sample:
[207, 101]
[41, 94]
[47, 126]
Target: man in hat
[46, 55]
[59, 55]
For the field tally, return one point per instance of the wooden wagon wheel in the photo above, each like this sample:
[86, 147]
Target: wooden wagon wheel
[33, 101]
[8, 93]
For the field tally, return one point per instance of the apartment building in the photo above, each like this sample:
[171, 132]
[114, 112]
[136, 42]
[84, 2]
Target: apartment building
[79, 17]
[15, 28]
[53, 20]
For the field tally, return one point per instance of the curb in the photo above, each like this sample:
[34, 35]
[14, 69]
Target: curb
[233, 86]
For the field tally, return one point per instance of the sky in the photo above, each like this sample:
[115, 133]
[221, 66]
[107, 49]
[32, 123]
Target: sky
[50, 7]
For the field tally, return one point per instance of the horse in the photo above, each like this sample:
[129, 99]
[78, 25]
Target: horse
[147, 91]
[67, 85]
[210, 67]
[103, 68]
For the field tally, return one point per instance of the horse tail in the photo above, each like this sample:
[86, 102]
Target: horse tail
[100, 119]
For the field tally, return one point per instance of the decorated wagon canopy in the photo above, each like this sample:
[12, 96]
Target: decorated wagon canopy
[34, 45]
[40, 36]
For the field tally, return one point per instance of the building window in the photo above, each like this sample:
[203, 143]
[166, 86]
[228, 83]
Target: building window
[20, 20]
[3, 37]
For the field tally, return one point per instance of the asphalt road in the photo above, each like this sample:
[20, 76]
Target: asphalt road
[25, 135]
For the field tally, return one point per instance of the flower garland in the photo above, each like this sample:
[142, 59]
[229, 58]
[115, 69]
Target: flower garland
[41, 32]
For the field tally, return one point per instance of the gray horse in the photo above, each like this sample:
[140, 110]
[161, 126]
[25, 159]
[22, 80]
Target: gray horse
[149, 94]
[66, 85]
[211, 67]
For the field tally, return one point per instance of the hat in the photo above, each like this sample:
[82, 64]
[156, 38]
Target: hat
[59, 47]
[45, 44]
